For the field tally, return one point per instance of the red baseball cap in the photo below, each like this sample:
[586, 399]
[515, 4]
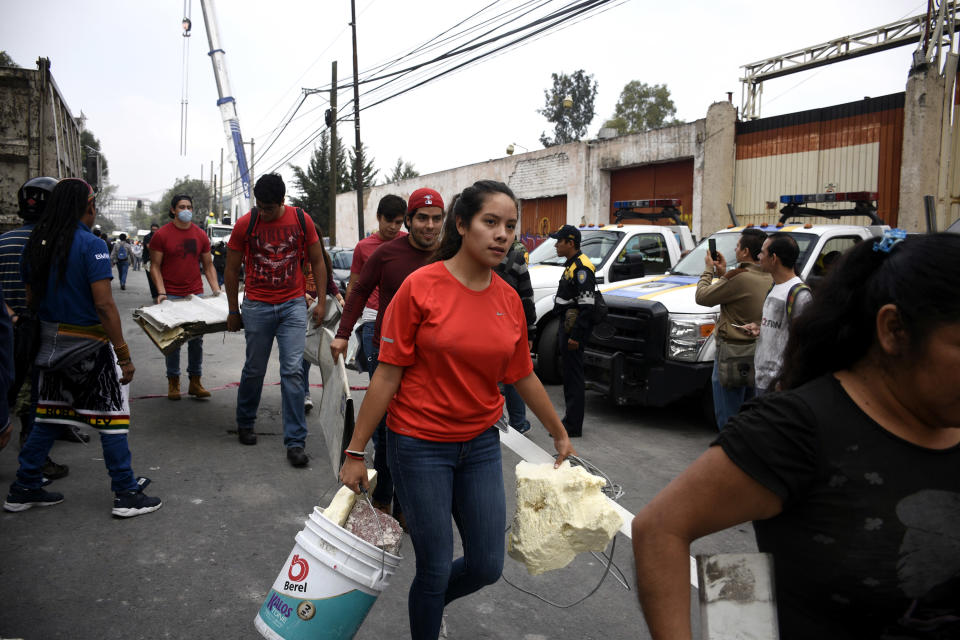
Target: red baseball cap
[424, 197]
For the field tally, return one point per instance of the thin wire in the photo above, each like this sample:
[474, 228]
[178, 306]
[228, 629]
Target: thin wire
[613, 547]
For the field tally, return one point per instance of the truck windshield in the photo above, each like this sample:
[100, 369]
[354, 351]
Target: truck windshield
[597, 245]
[692, 263]
[220, 233]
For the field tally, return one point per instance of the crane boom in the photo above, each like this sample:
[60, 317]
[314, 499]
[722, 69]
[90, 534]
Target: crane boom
[226, 101]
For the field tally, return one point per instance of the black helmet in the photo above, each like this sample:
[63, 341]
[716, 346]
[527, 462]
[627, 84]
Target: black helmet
[33, 197]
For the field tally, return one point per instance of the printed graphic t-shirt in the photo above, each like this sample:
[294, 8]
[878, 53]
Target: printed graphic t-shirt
[456, 344]
[181, 248]
[71, 301]
[272, 255]
[868, 542]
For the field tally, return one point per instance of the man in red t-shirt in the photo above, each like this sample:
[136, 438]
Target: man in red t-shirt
[273, 241]
[386, 270]
[390, 214]
[177, 251]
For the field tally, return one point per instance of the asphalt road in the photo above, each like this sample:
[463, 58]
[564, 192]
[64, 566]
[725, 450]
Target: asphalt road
[201, 566]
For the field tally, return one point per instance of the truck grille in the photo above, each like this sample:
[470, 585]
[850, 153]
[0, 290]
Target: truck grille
[640, 329]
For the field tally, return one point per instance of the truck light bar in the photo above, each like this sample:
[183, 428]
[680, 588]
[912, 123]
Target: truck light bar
[844, 196]
[638, 204]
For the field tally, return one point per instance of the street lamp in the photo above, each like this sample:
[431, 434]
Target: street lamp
[511, 148]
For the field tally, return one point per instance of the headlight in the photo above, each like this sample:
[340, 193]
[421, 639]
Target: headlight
[688, 333]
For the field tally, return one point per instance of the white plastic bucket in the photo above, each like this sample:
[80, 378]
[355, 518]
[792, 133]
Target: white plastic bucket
[327, 585]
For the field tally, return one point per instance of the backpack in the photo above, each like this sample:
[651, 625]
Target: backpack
[122, 251]
[792, 297]
[255, 217]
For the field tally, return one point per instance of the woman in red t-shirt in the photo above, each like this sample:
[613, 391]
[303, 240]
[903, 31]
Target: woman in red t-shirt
[452, 332]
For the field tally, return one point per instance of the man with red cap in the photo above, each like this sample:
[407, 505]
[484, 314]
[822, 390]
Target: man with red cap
[387, 268]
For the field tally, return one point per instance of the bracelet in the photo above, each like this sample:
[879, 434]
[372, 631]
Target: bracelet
[356, 455]
[233, 313]
[164, 294]
[124, 363]
[122, 351]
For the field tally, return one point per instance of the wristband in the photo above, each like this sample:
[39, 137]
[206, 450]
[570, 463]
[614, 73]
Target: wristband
[233, 313]
[124, 363]
[356, 455]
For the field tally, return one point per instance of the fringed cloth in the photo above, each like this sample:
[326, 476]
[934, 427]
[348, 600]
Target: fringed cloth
[80, 380]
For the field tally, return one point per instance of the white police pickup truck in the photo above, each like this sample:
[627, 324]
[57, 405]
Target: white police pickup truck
[619, 252]
[662, 347]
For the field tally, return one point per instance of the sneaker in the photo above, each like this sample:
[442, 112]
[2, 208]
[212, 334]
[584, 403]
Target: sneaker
[21, 499]
[127, 504]
[522, 429]
[297, 457]
[307, 404]
[54, 471]
[246, 436]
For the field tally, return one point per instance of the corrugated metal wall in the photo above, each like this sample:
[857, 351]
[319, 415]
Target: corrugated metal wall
[849, 147]
[647, 182]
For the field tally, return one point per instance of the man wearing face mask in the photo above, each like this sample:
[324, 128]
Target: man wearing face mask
[177, 250]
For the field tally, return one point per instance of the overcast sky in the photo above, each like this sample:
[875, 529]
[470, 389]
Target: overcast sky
[120, 64]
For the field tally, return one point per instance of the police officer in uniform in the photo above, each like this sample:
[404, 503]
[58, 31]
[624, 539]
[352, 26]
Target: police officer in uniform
[574, 303]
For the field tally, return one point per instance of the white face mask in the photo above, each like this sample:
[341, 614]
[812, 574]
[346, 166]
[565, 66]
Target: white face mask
[185, 215]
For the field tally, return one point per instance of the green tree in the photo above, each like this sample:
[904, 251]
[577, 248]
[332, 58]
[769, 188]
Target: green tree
[313, 183]
[569, 123]
[368, 171]
[198, 190]
[6, 60]
[642, 107]
[401, 171]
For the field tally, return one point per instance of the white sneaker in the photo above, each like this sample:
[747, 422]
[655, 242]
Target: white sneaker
[307, 404]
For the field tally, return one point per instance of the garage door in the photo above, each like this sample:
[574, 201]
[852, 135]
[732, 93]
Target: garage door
[666, 180]
[539, 217]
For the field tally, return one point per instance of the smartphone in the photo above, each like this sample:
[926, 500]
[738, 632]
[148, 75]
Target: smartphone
[713, 249]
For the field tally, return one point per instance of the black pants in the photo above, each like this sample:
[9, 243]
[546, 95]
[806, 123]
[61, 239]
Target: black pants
[571, 364]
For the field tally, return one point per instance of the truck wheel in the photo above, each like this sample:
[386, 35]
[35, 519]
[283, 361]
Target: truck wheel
[548, 360]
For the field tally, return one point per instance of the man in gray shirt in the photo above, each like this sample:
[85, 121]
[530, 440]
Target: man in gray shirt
[785, 301]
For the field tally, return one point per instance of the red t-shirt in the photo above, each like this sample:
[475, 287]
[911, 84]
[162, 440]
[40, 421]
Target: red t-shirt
[361, 253]
[456, 344]
[272, 255]
[181, 248]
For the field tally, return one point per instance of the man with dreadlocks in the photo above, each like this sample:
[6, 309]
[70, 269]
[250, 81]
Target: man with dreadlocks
[84, 363]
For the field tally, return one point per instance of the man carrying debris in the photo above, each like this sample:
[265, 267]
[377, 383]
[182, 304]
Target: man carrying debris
[176, 252]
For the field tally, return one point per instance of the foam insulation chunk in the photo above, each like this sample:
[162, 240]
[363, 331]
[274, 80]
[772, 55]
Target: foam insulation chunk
[560, 513]
[343, 501]
[374, 526]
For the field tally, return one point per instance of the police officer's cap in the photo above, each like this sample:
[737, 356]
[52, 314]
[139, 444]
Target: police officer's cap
[567, 232]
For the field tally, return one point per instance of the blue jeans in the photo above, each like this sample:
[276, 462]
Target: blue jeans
[370, 350]
[262, 322]
[727, 400]
[194, 355]
[116, 456]
[122, 266]
[384, 492]
[435, 480]
[516, 409]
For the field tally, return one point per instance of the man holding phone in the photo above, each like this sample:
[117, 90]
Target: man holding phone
[740, 293]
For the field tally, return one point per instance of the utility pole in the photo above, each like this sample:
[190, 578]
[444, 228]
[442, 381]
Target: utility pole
[220, 202]
[358, 164]
[213, 187]
[332, 121]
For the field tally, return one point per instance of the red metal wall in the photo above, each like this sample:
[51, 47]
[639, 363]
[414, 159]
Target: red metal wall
[667, 180]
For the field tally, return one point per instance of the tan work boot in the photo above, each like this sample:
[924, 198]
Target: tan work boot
[196, 389]
[173, 387]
